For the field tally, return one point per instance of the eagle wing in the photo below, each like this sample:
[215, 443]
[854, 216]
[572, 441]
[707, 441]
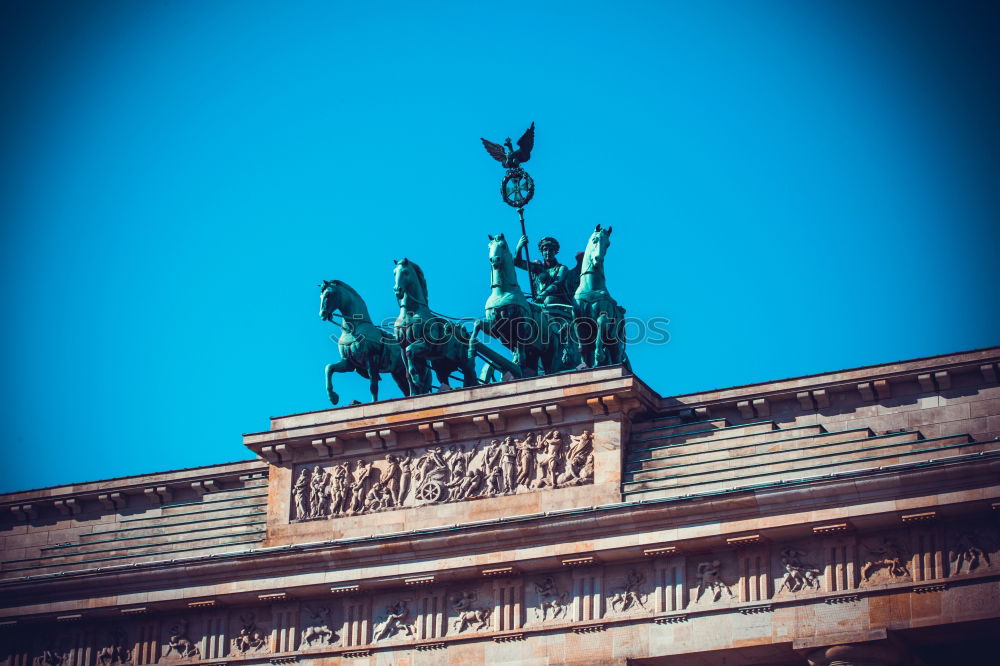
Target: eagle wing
[525, 144]
[495, 150]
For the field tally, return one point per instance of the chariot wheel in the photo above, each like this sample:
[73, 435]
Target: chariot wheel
[432, 491]
[517, 188]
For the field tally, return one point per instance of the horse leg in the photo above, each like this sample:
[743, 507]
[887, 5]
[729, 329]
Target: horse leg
[341, 366]
[529, 361]
[416, 365]
[600, 349]
[617, 343]
[374, 365]
[469, 377]
[442, 370]
[586, 345]
[463, 363]
[400, 376]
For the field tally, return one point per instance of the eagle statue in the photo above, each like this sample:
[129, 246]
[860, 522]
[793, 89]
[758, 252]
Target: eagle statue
[506, 155]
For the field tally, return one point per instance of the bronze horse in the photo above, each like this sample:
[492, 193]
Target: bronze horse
[364, 348]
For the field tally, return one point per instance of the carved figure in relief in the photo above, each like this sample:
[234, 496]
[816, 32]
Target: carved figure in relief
[526, 469]
[405, 473]
[363, 479]
[178, 641]
[300, 494]
[458, 462]
[339, 489]
[798, 575]
[508, 464]
[391, 477]
[711, 581]
[318, 631]
[317, 492]
[886, 557]
[580, 451]
[588, 470]
[550, 600]
[471, 486]
[469, 616]
[250, 637]
[394, 622]
[491, 467]
[116, 651]
[968, 554]
[631, 594]
[549, 458]
[377, 499]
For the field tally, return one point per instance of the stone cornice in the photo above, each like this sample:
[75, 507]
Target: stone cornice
[432, 417]
[934, 374]
[135, 485]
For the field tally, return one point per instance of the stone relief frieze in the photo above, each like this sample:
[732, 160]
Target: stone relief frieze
[318, 628]
[799, 575]
[469, 614]
[886, 561]
[553, 602]
[396, 621]
[538, 460]
[179, 643]
[710, 580]
[632, 595]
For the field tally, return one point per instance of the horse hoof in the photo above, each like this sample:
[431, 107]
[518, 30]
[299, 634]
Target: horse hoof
[334, 398]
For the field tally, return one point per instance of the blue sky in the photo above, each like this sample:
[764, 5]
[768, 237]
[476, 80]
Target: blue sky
[798, 187]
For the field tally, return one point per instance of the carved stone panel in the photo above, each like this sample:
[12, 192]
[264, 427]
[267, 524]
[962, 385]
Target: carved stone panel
[319, 628]
[630, 590]
[249, 633]
[521, 462]
[549, 598]
[394, 618]
[800, 571]
[182, 640]
[713, 579]
[972, 548]
[114, 649]
[885, 558]
[470, 609]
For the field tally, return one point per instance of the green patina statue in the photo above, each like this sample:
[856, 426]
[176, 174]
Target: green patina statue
[571, 321]
[599, 320]
[554, 282]
[428, 340]
[364, 348]
[537, 338]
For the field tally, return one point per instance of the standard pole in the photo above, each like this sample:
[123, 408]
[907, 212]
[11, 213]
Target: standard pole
[527, 257]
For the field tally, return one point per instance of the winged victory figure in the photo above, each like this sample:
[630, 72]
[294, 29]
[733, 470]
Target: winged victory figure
[506, 155]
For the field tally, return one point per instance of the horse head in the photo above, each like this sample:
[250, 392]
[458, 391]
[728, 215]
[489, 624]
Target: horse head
[328, 299]
[597, 249]
[409, 282]
[499, 251]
